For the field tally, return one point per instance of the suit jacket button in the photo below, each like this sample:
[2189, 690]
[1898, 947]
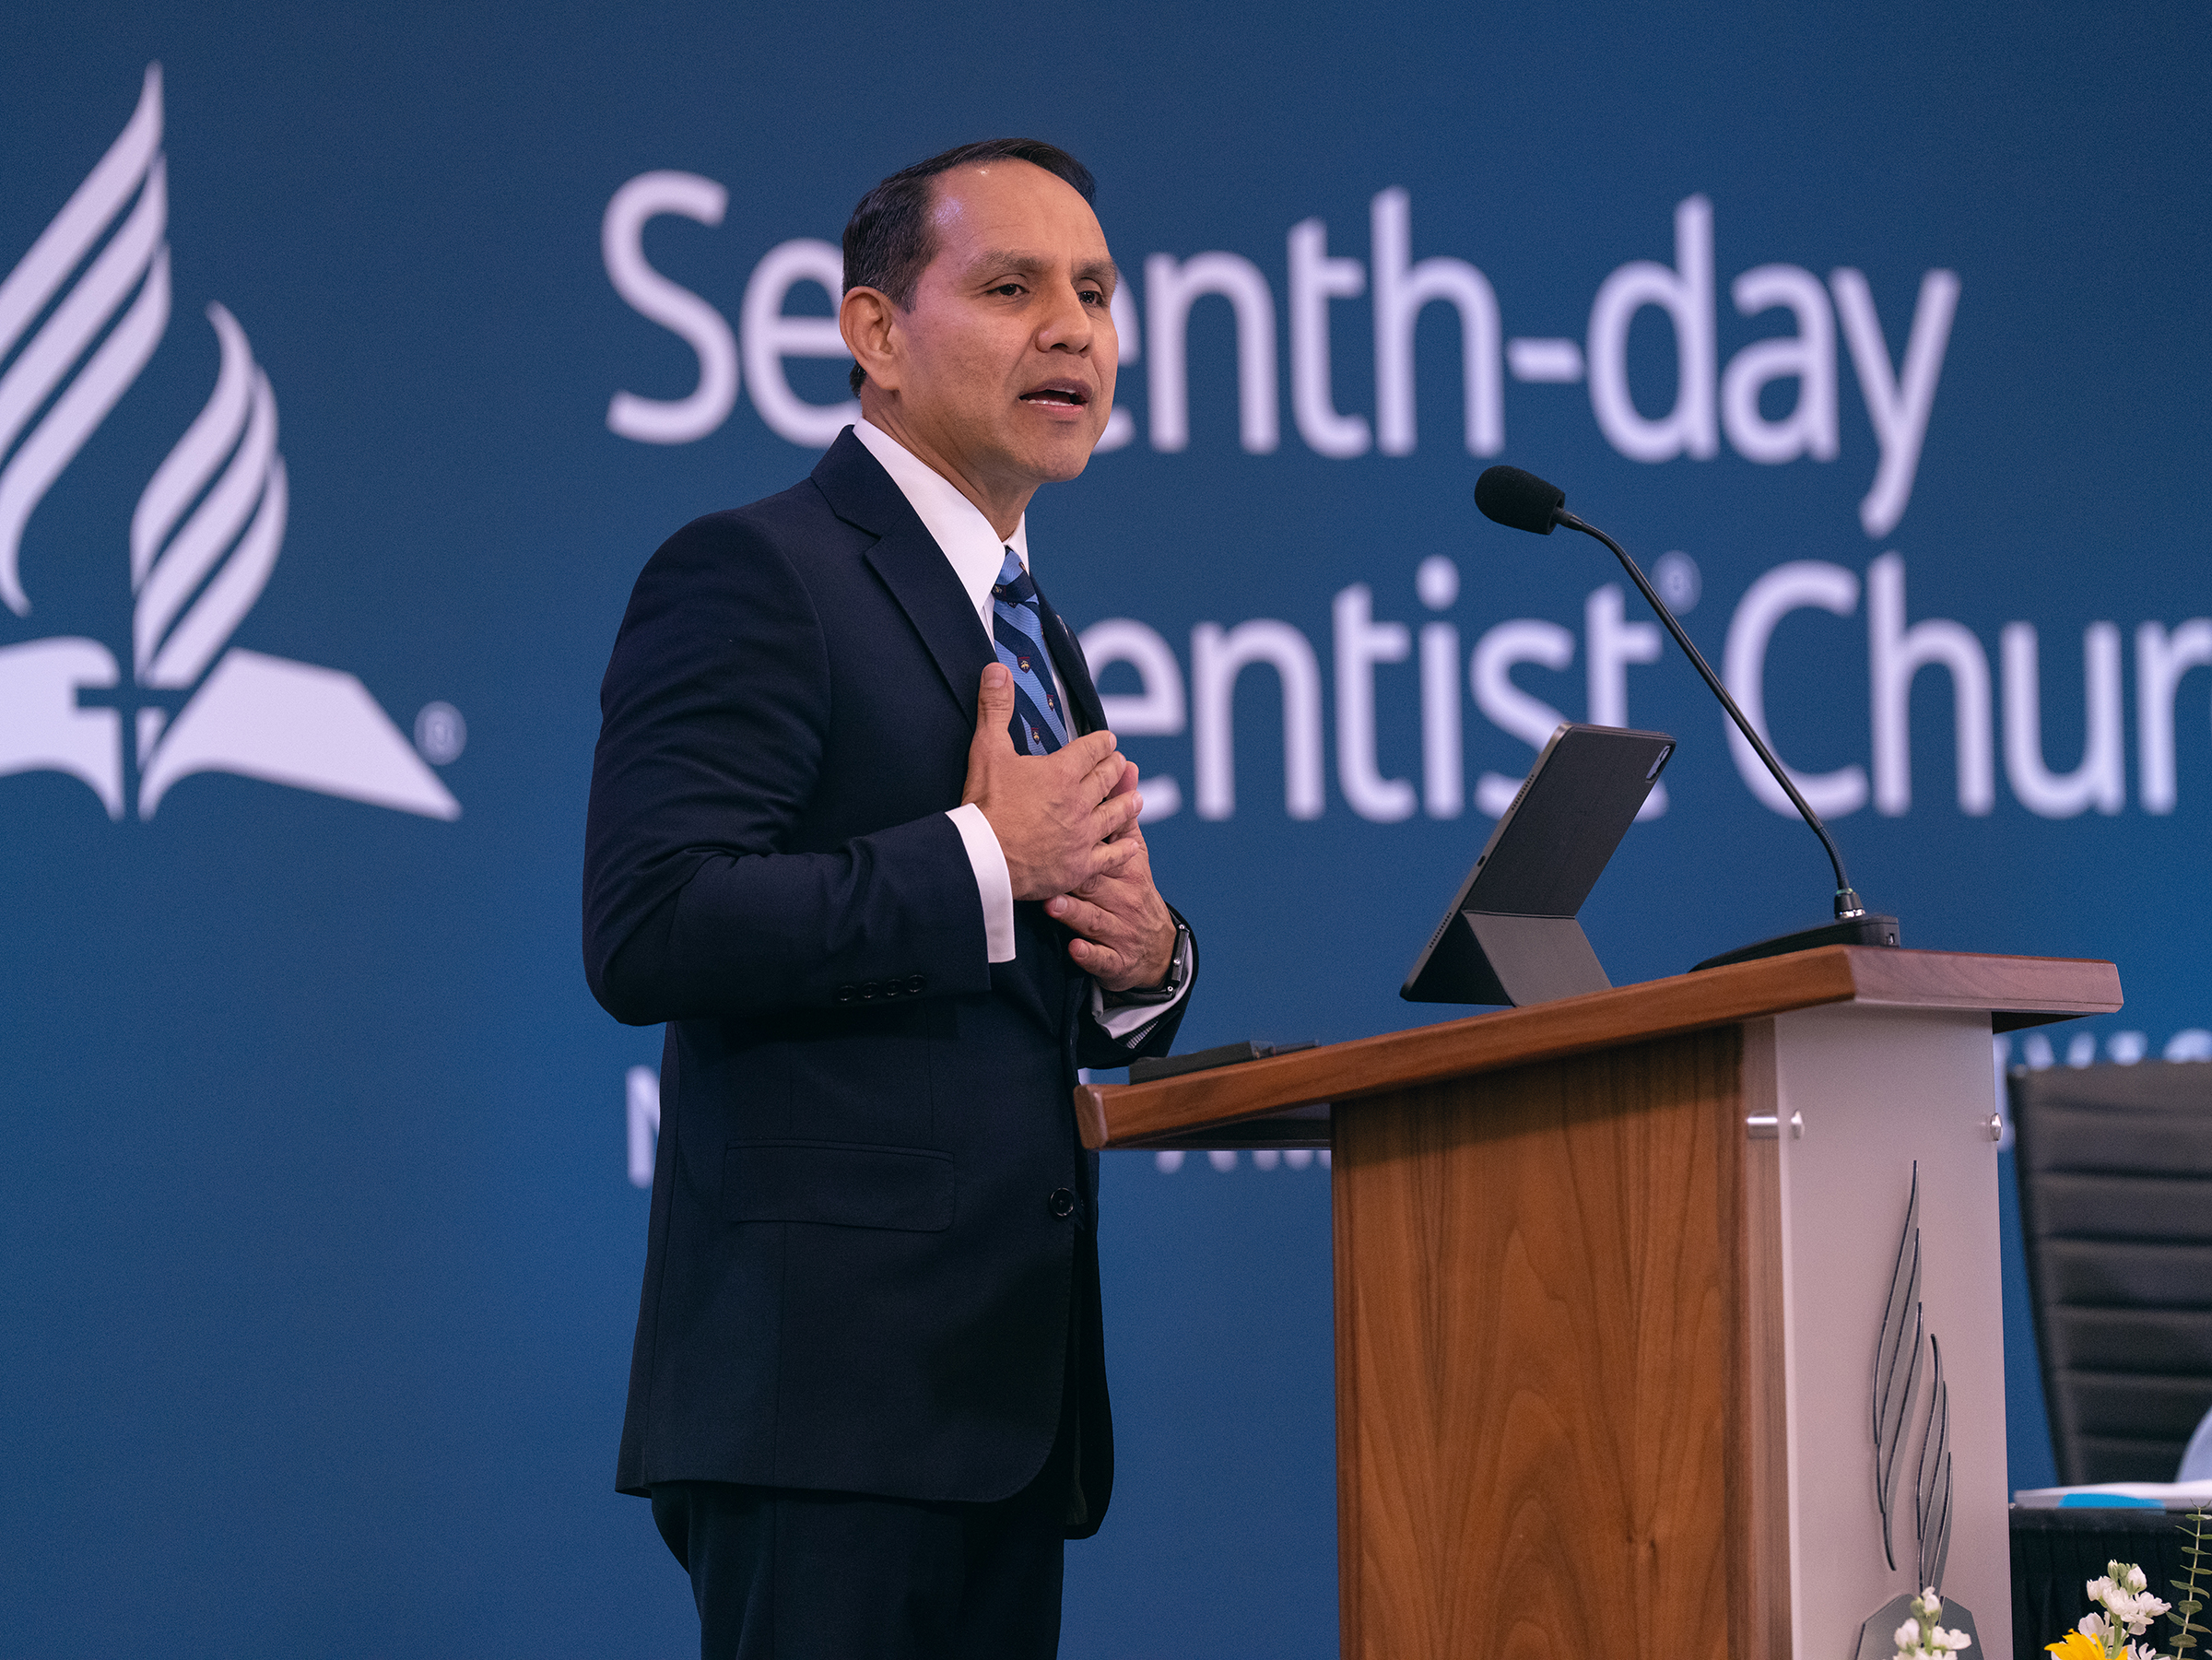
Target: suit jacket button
[844, 993]
[914, 985]
[1063, 1202]
[868, 988]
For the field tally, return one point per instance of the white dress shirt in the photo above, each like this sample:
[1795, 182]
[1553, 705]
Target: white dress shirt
[977, 554]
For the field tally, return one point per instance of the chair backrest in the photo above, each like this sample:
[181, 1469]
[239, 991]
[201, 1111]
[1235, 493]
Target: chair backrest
[2115, 1168]
[2196, 1463]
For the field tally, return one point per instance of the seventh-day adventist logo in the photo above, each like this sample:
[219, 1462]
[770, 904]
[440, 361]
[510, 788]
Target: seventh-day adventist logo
[80, 315]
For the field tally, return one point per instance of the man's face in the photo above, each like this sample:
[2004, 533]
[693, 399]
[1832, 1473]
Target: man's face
[1008, 350]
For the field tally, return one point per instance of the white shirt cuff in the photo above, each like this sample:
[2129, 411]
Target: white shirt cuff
[1131, 1018]
[995, 887]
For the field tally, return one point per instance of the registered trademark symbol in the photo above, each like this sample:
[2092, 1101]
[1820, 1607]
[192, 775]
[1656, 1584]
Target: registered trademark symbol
[1677, 579]
[440, 734]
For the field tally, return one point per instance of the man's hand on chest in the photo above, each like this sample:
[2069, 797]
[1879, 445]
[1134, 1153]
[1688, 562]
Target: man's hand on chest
[1057, 817]
[1125, 932]
[1066, 825]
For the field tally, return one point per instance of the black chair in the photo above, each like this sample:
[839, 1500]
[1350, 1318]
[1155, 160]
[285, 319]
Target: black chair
[2115, 1168]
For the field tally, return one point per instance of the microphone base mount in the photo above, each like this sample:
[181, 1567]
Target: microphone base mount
[1867, 929]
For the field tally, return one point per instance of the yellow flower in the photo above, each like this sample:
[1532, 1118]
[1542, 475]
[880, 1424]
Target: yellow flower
[2076, 1645]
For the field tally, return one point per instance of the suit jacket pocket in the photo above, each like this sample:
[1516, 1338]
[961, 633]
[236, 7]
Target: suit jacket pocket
[844, 1185]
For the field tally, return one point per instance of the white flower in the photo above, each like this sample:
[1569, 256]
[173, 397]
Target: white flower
[2122, 1595]
[1921, 1639]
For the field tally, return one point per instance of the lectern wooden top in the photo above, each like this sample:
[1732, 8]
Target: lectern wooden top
[2014, 991]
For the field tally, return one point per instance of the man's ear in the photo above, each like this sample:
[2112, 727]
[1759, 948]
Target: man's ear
[869, 322]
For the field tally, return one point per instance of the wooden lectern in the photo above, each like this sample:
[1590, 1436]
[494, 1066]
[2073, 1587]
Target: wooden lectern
[1667, 1317]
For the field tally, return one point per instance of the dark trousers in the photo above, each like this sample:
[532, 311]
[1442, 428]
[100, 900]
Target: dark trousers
[784, 1574]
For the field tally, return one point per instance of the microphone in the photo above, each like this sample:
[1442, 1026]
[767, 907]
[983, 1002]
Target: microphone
[1520, 501]
[1524, 501]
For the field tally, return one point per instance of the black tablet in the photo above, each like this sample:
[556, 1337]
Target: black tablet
[1540, 862]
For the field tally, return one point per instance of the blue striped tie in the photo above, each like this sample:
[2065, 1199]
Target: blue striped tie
[1018, 633]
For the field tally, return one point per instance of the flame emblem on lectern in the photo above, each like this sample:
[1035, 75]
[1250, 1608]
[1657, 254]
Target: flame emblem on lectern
[1897, 1375]
[1896, 1402]
[80, 315]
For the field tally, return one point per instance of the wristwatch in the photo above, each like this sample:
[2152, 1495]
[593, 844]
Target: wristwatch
[1178, 964]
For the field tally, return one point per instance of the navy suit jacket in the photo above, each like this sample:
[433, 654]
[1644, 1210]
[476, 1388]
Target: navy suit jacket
[872, 1216]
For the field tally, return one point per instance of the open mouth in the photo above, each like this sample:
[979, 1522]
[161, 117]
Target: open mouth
[1064, 397]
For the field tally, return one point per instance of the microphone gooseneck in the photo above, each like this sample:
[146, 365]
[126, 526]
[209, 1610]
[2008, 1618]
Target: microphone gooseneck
[1524, 502]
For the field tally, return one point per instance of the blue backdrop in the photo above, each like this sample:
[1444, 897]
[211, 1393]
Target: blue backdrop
[353, 361]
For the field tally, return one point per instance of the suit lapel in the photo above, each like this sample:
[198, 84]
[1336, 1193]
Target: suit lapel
[1074, 673]
[911, 564]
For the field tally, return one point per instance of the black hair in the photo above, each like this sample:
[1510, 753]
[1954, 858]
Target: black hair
[888, 240]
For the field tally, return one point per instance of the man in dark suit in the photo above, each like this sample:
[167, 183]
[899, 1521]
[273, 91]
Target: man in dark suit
[859, 835]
